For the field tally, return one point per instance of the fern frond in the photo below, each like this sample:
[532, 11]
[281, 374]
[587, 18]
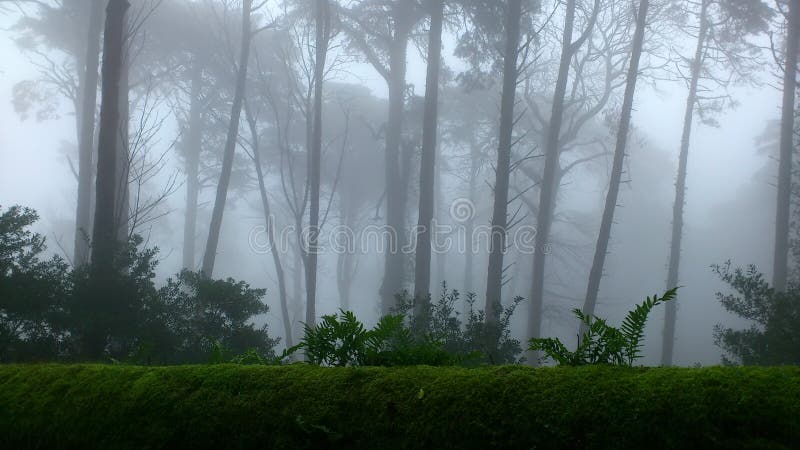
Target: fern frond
[633, 325]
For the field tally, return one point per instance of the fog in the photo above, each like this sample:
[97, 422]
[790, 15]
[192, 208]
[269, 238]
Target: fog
[730, 189]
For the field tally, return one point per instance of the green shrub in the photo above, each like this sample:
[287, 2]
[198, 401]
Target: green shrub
[773, 337]
[303, 406]
[600, 343]
[467, 338]
[47, 309]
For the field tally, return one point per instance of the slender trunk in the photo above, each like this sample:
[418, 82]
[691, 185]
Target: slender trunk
[549, 180]
[270, 229]
[469, 230]
[494, 279]
[780, 271]
[88, 90]
[297, 285]
[616, 170]
[323, 25]
[670, 310]
[193, 147]
[394, 267]
[123, 200]
[104, 234]
[230, 146]
[441, 256]
[346, 260]
[422, 267]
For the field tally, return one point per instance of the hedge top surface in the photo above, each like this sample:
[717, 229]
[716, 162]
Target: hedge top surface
[300, 406]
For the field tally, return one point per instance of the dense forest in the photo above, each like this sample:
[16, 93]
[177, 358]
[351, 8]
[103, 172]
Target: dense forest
[477, 181]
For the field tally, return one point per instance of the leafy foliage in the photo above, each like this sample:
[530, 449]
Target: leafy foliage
[46, 307]
[304, 406]
[32, 291]
[601, 343]
[468, 340]
[774, 336]
[341, 340]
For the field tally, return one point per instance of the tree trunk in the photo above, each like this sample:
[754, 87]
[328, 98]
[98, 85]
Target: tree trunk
[87, 113]
[494, 279]
[230, 146]
[439, 206]
[552, 172]
[422, 267]
[323, 27]
[469, 230]
[596, 271]
[394, 266]
[781, 270]
[104, 234]
[270, 229]
[670, 311]
[549, 180]
[345, 264]
[123, 201]
[193, 148]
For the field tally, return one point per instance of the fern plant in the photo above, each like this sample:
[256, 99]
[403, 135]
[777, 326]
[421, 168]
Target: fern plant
[337, 340]
[601, 343]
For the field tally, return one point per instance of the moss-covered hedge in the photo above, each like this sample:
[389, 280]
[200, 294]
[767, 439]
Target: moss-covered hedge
[230, 406]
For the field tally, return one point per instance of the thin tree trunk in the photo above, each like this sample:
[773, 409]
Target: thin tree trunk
[596, 272]
[193, 148]
[549, 185]
[441, 256]
[270, 229]
[83, 217]
[123, 141]
[394, 266]
[297, 284]
[323, 26]
[345, 261]
[494, 279]
[230, 146]
[469, 230]
[422, 267]
[781, 270]
[104, 235]
[670, 311]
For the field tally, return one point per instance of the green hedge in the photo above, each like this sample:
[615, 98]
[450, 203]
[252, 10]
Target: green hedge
[229, 406]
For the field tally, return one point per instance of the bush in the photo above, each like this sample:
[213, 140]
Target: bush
[302, 406]
[773, 337]
[47, 309]
[468, 338]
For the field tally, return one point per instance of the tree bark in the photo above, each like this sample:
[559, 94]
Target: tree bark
[345, 264]
[469, 230]
[87, 113]
[550, 178]
[104, 234]
[547, 191]
[394, 264]
[601, 249]
[323, 30]
[270, 229]
[670, 311]
[123, 201]
[422, 267]
[781, 269]
[230, 145]
[494, 279]
[193, 149]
